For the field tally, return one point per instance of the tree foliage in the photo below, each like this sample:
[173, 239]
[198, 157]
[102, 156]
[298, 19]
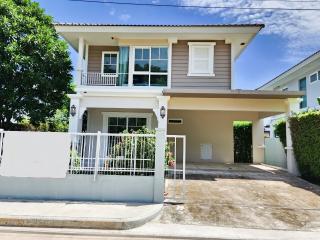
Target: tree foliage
[242, 134]
[35, 68]
[59, 122]
[280, 131]
[305, 131]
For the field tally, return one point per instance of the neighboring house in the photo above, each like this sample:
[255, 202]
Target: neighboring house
[304, 76]
[179, 78]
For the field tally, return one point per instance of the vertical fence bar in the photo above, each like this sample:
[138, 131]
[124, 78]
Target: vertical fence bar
[175, 167]
[184, 166]
[135, 155]
[96, 165]
[73, 152]
[1, 144]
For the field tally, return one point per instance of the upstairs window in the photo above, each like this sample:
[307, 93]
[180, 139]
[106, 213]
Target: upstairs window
[110, 62]
[201, 55]
[303, 87]
[150, 66]
[314, 77]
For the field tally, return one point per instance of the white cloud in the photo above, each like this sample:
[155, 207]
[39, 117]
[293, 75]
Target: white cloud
[300, 29]
[112, 12]
[124, 17]
[155, 1]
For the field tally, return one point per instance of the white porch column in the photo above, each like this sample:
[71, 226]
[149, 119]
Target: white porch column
[161, 134]
[158, 186]
[171, 41]
[258, 141]
[75, 122]
[162, 104]
[131, 66]
[80, 61]
[292, 106]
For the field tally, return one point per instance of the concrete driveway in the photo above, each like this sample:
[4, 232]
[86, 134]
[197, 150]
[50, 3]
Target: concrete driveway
[256, 197]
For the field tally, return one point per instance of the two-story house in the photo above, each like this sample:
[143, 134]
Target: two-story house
[304, 76]
[179, 78]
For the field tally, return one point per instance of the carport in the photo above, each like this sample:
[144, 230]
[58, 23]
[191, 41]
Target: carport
[206, 118]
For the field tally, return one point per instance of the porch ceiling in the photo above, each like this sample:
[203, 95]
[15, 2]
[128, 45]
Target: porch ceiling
[265, 103]
[247, 94]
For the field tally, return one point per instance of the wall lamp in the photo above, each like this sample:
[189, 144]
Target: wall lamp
[73, 110]
[162, 112]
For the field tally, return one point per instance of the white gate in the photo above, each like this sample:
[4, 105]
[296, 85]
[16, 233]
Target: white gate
[175, 167]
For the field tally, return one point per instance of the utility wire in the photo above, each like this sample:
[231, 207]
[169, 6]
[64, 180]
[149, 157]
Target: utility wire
[197, 6]
[288, 1]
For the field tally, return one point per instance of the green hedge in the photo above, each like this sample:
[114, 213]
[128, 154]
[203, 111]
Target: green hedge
[305, 131]
[280, 131]
[242, 134]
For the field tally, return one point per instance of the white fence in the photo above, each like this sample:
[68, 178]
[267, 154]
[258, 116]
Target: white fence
[61, 166]
[112, 154]
[98, 79]
[274, 153]
[175, 171]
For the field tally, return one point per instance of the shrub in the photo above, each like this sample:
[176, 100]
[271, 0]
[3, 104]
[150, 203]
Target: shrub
[124, 148]
[280, 131]
[305, 131]
[242, 134]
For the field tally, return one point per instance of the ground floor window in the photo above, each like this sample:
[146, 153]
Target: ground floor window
[119, 122]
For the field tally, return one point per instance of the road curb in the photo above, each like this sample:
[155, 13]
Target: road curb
[77, 223]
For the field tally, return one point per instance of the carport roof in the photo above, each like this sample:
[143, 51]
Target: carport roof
[250, 94]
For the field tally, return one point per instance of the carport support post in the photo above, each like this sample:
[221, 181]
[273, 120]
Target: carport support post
[258, 141]
[158, 188]
[292, 106]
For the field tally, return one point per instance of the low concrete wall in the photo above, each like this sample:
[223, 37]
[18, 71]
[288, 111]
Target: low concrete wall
[79, 188]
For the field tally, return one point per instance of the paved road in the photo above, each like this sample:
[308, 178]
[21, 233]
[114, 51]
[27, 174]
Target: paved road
[154, 231]
[32, 236]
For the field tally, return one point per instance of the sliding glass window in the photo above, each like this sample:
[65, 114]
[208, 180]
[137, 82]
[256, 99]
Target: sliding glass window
[150, 66]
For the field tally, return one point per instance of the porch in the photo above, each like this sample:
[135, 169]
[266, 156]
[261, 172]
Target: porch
[204, 117]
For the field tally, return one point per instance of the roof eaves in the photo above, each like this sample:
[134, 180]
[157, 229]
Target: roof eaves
[288, 70]
[160, 25]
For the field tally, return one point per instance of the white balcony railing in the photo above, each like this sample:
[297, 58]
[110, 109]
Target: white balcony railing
[98, 79]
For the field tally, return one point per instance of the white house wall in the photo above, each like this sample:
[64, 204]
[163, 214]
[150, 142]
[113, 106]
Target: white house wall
[119, 102]
[208, 127]
[291, 81]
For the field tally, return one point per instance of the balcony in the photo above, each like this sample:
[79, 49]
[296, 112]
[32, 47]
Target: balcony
[121, 80]
[98, 79]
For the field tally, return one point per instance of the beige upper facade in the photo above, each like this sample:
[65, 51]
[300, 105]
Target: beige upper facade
[144, 57]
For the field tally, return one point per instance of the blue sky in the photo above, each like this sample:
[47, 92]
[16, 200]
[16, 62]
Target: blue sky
[287, 38]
